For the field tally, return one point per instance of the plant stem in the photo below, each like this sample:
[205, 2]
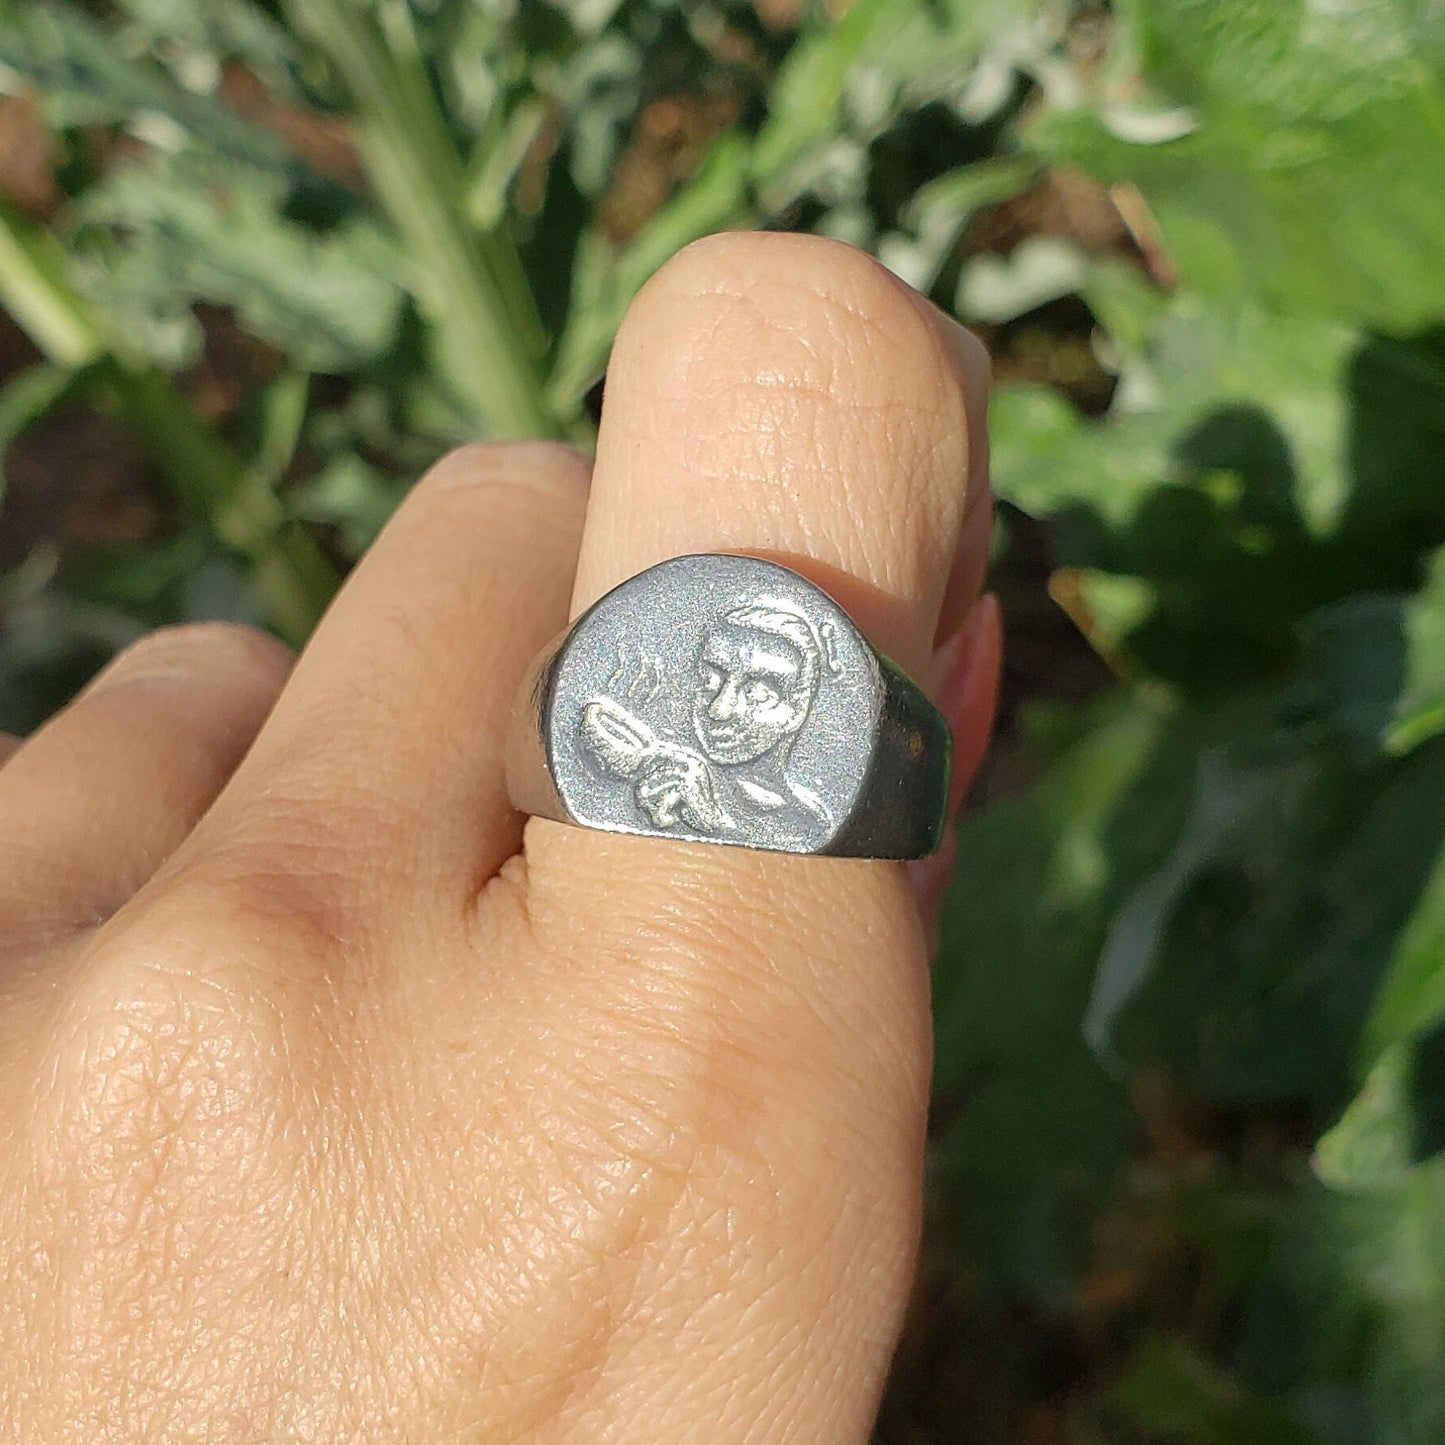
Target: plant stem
[34, 290]
[295, 579]
[470, 284]
[292, 574]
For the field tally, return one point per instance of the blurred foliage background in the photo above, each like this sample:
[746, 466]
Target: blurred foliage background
[262, 262]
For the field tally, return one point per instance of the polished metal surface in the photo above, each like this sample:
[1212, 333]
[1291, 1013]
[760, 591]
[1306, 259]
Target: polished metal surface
[726, 699]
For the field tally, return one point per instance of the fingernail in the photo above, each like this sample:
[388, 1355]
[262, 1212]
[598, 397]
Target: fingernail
[964, 685]
[928, 877]
[965, 678]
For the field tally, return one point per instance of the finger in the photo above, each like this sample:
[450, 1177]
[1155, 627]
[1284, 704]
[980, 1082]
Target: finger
[970, 565]
[757, 402]
[786, 396]
[94, 802]
[381, 767]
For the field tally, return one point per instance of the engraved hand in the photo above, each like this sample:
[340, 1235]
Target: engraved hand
[678, 783]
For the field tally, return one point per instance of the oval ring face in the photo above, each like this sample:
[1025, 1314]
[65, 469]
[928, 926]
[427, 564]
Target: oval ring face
[716, 698]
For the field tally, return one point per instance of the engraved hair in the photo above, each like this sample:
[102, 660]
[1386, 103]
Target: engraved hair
[780, 619]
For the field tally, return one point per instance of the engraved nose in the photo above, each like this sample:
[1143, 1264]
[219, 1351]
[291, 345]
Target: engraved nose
[728, 703]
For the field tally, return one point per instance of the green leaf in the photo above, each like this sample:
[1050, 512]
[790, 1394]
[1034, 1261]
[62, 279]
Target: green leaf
[86, 78]
[146, 580]
[283, 416]
[1388, 1243]
[965, 190]
[1251, 469]
[1412, 997]
[50, 642]
[469, 285]
[185, 228]
[1171, 1391]
[1298, 163]
[493, 167]
[805, 98]
[844, 84]
[936, 216]
[36, 290]
[1420, 708]
[605, 282]
[293, 576]
[1232, 799]
[1369, 1148]
[1261, 959]
[195, 39]
[352, 496]
[1040, 1125]
[1374, 667]
[1352, 670]
[1040, 269]
[1196, 363]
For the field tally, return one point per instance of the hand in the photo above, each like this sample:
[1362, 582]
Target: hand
[336, 1105]
[678, 782]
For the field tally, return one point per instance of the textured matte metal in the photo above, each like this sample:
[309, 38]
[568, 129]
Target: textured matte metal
[725, 699]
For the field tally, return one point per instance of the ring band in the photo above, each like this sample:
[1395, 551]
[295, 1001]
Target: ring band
[721, 698]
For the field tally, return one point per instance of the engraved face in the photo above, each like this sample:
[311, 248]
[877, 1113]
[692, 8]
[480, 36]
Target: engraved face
[716, 698]
[754, 690]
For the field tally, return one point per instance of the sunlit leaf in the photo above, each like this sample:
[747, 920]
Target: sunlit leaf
[1302, 168]
[1369, 1149]
[86, 78]
[185, 230]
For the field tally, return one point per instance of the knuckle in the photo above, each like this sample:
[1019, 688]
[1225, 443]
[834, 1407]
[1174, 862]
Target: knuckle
[172, 1146]
[281, 900]
[176, 1080]
[496, 486]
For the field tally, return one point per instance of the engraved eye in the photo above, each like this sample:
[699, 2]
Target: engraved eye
[760, 694]
[711, 679]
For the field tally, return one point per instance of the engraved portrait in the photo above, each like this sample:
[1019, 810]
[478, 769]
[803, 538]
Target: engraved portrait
[757, 671]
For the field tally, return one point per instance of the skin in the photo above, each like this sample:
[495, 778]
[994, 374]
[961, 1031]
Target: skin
[337, 1104]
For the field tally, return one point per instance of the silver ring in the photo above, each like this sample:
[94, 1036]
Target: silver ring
[725, 699]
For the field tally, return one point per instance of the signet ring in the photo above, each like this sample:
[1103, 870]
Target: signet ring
[722, 698]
